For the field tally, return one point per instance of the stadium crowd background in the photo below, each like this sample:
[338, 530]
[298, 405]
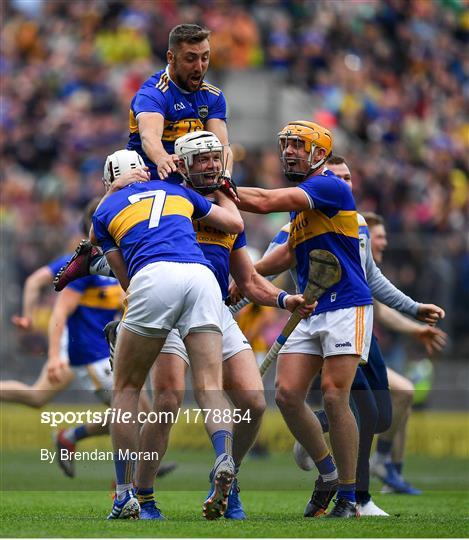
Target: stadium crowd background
[389, 77]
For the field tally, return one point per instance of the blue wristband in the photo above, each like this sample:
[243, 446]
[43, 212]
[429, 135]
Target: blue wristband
[281, 299]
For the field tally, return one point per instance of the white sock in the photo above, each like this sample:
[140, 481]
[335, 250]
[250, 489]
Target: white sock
[329, 477]
[121, 490]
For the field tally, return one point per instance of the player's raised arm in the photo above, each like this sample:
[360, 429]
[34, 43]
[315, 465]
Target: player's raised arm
[277, 261]
[264, 201]
[225, 216]
[151, 126]
[39, 279]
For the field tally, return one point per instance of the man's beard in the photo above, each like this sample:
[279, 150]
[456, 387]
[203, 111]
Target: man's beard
[184, 83]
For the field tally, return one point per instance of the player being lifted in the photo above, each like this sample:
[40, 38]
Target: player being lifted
[172, 102]
[175, 101]
[146, 232]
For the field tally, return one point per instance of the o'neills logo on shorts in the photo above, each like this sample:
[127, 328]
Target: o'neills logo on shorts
[346, 344]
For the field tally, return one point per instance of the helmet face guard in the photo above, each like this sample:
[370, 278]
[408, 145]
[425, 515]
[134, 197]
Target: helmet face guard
[204, 159]
[205, 173]
[305, 137]
[292, 168]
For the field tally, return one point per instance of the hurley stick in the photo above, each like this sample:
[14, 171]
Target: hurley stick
[324, 272]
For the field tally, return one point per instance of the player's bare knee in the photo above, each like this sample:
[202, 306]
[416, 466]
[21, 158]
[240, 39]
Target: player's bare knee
[169, 401]
[403, 398]
[336, 400]
[288, 399]
[255, 403]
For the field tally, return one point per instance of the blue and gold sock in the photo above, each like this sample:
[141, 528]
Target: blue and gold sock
[222, 441]
[346, 491]
[327, 468]
[124, 475]
[145, 495]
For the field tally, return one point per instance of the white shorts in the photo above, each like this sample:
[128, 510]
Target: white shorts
[166, 295]
[95, 377]
[343, 331]
[234, 340]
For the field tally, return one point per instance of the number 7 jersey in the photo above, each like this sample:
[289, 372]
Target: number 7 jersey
[150, 222]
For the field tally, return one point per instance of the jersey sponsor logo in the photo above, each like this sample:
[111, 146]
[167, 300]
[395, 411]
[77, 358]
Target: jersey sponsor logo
[179, 106]
[345, 344]
[203, 111]
[210, 235]
[174, 130]
[311, 223]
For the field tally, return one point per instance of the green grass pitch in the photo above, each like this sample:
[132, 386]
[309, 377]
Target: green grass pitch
[38, 501]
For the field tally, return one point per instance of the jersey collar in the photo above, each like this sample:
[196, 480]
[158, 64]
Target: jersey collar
[178, 87]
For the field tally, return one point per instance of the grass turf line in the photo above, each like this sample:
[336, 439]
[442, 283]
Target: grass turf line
[274, 493]
[271, 514]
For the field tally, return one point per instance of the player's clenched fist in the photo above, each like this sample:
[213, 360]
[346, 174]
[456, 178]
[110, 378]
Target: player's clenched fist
[294, 301]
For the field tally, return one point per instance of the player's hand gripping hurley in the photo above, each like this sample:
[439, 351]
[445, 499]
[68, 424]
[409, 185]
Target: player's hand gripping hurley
[324, 272]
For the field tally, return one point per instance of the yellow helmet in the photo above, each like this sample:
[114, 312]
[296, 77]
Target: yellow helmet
[312, 135]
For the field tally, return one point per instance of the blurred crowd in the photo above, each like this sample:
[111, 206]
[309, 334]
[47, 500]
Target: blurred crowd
[390, 75]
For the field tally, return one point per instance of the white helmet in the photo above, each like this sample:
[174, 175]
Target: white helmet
[194, 144]
[119, 163]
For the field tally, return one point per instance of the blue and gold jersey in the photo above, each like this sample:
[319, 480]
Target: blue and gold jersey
[183, 112]
[100, 301]
[150, 222]
[331, 223]
[217, 247]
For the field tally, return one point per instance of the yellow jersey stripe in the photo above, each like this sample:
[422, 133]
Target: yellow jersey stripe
[128, 217]
[132, 215]
[211, 91]
[133, 125]
[102, 297]
[311, 223]
[162, 80]
[211, 87]
[175, 204]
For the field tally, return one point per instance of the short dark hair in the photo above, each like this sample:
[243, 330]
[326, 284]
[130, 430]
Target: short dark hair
[373, 219]
[335, 160]
[187, 33]
[87, 218]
